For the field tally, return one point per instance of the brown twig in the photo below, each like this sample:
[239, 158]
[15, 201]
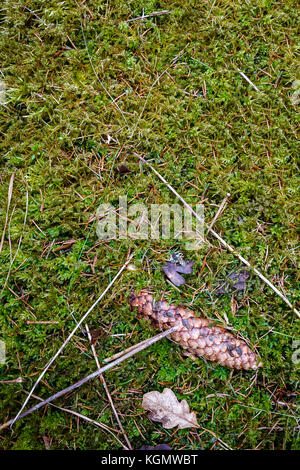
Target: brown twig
[81, 382]
[13, 381]
[101, 377]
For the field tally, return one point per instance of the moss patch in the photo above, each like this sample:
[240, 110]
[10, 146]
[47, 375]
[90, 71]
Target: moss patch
[86, 91]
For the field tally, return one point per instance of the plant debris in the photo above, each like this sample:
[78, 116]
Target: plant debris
[165, 408]
[123, 169]
[47, 441]
[95, 335]
[176, 265]
[64, 126]
[236, 281]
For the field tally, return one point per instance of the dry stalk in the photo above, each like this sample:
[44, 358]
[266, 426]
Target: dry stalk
[10, 190]
[106, 388]
[218, 213]
[85, 418]
[81, 382]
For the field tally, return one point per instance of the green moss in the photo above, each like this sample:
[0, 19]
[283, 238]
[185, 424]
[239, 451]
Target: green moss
[209, 133]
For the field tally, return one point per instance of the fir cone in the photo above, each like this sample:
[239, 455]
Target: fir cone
[195, 334]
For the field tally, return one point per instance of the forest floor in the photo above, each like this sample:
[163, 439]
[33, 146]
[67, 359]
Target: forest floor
[83, 91]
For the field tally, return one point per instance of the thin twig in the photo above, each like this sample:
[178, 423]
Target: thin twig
[101, 377]
[10, 190]
[45, 322]
[220, 210]
[224, 243]
[71, 334]
[210, 10]
[33, 13]
[121, 353]
[248, 80]
[155, 13]
[13, 381]
[81, 382]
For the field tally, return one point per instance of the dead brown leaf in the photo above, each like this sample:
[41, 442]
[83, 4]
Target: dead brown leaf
[165, 408]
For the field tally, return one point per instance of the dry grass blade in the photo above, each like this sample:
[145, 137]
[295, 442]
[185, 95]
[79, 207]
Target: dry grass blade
[121, 353]
[85, 418]
[219, 211]
[97, 76]
[248, 80]
[150, 15]
[153, 85]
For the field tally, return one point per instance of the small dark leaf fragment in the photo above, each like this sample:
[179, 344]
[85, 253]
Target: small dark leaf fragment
[95, 334]
[172, 271]
[186, 267]
[123, 169]
[236, 281]
[239, 279]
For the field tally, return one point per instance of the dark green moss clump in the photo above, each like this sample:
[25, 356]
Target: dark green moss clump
[86, 92]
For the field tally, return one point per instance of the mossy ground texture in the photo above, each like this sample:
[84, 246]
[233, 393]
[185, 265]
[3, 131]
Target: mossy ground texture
[87, 91]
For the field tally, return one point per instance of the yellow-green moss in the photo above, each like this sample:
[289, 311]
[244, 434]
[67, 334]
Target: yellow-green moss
[208, 132]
